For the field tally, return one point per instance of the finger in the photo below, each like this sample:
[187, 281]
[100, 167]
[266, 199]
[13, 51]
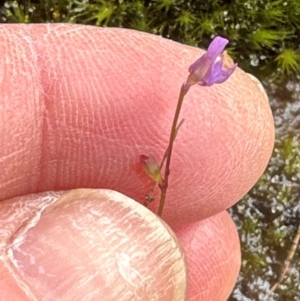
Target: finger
[87, 245]
[73, 231]
[79, 165]
[213, 255]
[86, 102]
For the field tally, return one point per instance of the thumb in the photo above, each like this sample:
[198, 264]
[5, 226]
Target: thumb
[85, 243]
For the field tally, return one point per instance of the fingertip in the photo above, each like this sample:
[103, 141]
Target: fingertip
[213, 254]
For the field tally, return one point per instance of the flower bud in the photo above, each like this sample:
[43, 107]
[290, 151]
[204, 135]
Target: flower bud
[151, 167]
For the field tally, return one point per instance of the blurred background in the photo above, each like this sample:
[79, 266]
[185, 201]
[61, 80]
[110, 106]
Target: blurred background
[264, 39]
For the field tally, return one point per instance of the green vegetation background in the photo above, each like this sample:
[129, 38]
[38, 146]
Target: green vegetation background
[264, 39]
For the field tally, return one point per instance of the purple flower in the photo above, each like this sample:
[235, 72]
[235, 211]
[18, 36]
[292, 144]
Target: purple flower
[214, 67]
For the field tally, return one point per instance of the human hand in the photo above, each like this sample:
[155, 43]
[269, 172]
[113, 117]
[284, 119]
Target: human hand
[79, 106]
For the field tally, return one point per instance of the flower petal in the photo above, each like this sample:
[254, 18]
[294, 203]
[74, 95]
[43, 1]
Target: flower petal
[217, 74]
[216, 47]
[201, 63]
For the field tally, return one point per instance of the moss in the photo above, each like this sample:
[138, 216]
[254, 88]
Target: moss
[264, 28]
[268, 219]
[288, 61]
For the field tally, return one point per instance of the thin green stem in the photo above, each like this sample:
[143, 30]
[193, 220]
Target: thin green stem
[167, 151]
[149, 197]
[174, 130]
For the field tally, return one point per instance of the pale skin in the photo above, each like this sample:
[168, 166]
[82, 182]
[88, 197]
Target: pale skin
[79, 105]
